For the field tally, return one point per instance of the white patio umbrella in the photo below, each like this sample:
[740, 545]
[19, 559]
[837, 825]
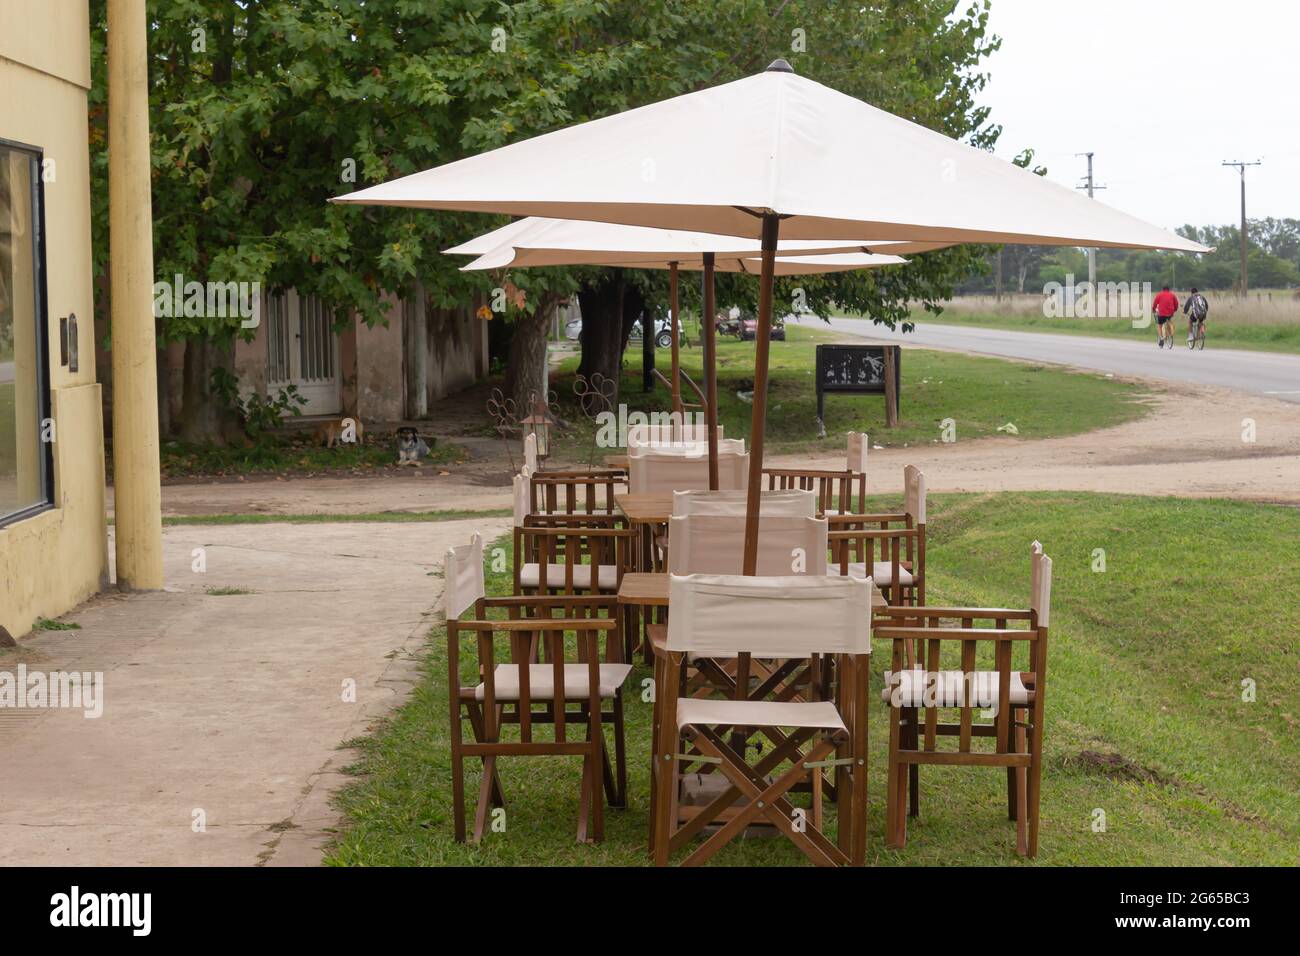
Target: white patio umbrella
[634, 241]
[801, 160]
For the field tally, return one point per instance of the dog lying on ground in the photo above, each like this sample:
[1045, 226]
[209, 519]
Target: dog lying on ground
[411, 448]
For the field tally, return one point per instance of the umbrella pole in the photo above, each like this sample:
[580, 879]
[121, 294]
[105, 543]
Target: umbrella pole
[710, 369]
[758, 423]
[677, 368]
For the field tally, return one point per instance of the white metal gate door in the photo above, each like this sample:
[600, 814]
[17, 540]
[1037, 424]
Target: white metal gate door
[303, 350]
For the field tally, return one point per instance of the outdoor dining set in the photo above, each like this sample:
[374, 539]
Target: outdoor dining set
[754, 592]
[611, 565]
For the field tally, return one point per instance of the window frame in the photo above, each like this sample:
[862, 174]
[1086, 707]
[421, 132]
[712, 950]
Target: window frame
[42, 337]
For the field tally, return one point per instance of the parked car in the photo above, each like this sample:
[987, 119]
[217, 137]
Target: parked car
[749, 328]
[663, 332]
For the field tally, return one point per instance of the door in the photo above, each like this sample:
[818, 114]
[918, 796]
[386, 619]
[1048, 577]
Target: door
[303, 350]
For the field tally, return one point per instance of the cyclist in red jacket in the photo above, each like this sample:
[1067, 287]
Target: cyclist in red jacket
[1164, 305]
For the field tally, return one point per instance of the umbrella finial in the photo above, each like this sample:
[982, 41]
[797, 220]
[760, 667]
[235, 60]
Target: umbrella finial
[779, 65]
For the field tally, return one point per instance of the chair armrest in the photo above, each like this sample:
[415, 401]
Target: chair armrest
[955, 633]
[979, 613]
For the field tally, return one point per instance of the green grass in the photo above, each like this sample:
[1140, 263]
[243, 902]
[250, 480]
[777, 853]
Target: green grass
[45, 624]
[289, 453]
[392, 517]
[228, 591]
[8, 453]
[980, 394]
[1145, 719]
[1264, 337]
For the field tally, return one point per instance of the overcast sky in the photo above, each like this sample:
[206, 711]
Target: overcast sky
[1162, 91]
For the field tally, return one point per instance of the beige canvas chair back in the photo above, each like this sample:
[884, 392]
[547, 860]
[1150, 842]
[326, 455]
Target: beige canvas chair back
[674, 432]
[856, 460]
[688, 449]
[785, 617]
[793, 502]
[523, 495]
[715, 544]
[463, 577]
[530, 452]
[681, 468]
[1040, 587]
[914, 493]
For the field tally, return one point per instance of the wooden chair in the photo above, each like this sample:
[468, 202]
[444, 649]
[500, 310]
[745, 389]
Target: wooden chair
[571, 554]
[838, 492]
[921, 683]
[812, 618]
[899, 568]
[501, 684]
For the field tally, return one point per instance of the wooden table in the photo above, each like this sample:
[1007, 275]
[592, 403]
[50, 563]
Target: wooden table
[650, 507]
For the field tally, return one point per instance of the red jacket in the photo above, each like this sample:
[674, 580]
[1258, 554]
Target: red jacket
[1165, 303]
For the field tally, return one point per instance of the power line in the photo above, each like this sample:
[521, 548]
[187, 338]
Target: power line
[1242, 168]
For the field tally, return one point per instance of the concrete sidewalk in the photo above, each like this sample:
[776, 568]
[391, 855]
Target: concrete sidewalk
[226, 707]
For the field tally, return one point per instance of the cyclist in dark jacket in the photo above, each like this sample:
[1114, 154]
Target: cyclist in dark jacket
[1196, 308]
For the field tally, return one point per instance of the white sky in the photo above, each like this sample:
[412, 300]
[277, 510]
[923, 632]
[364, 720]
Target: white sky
[1130, 80]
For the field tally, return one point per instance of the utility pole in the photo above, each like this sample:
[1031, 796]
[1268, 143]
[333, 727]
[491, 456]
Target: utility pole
[1089, 185]
[1242, 168]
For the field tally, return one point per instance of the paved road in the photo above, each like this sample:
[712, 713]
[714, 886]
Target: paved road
[1263, 373]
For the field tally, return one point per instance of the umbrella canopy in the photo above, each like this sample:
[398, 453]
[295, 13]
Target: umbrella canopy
[835, 166]
[801, 159]
[752, 264]
[539, 241]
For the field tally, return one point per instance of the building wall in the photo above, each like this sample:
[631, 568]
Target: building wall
[59, 558]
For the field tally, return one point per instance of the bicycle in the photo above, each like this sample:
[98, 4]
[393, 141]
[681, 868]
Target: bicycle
[1197, 339]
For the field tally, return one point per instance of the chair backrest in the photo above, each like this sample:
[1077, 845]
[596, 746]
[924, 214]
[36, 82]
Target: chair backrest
[523, 495]
[463, 582]
[914, 493]
[715, 544]
[785, 617]
[530, 451]
[574, 492]
[856, 459]
[570, 550]
[674, 432]
[795, 502]
[1040, 584]
[688, 449]
[838, 492]
[682, 469]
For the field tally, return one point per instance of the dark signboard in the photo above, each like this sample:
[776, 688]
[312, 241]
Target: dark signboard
[855, 369]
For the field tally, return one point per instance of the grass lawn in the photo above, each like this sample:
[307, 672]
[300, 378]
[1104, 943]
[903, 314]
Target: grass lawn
[1145, 714]
[1266, 337]
[980, 394]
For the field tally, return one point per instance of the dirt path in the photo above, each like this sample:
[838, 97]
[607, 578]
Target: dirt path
[1190, 444]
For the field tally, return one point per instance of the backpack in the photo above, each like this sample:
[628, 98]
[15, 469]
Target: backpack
[1200, 308]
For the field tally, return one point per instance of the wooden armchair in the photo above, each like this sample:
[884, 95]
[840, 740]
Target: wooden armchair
[500, 684]
[922, 682]
[888, 547]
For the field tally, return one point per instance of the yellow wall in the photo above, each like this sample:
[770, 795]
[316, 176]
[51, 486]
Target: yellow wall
[53, 561]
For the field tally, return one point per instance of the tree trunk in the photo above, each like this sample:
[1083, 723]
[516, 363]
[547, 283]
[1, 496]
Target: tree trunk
[609, 311]
[203, 418]
[525, 370]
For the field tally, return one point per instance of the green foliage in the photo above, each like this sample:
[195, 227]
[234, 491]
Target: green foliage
[261, 109]
[258, 413]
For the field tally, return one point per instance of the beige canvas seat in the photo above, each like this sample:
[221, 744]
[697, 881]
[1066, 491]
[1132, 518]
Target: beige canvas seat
[504, 701]
[541, 681]
[812, 617]
[558, 576]
[918, 687]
